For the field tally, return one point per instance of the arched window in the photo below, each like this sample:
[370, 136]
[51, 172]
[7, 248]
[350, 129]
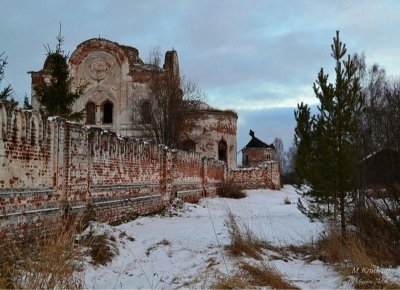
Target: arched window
[222, 148]
[188, 145]
[90, 113]
[107, 113]
[146, 113]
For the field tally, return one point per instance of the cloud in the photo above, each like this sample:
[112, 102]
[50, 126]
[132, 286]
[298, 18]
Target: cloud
[257, 57]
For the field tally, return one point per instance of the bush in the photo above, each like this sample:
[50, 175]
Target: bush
[232, 190]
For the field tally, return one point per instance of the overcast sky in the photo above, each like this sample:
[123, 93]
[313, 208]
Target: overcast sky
[259, 58]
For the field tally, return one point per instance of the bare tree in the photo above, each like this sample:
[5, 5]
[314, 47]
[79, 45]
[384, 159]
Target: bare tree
[380, 143]
[174, 105]
[290, 156]
[279, 153]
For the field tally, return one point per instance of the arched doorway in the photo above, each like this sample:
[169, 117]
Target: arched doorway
[222, 150]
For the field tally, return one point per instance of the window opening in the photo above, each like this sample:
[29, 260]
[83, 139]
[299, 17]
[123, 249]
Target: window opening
[108, 113]
[90, 113]
[222, 150]
[189, 145]
[146, 113]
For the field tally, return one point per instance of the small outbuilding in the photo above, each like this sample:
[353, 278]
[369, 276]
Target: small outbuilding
[256, 152]
[381, 169]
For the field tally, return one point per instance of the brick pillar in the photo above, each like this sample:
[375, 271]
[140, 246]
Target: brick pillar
[58, 149]
[204, 169]
[166, 177]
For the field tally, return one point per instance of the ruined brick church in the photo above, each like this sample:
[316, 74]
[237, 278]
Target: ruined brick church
[117, 97]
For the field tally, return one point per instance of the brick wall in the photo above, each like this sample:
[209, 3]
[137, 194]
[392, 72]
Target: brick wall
[47, 166]
[256, 156]
[266, 176]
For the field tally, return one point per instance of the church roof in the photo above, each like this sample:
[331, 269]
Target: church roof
[257, 143]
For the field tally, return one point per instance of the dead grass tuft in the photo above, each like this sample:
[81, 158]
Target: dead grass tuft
[379, 235]
[163, 242]
[262, 275]
[351, 257]
[252, 276]
[102, 250]
[51, 260]
[125, 235]
[286, 200]
[231, 190]
[242, 239]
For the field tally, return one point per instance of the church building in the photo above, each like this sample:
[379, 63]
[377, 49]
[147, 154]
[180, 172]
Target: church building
[118, 98]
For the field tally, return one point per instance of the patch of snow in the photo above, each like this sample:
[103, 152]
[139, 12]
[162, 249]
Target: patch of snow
[165, 147]
[181, 246]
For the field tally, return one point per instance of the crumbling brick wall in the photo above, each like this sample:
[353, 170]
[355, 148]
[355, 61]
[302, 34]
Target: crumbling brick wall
[48, 166]
[256, 156]
[266, 176]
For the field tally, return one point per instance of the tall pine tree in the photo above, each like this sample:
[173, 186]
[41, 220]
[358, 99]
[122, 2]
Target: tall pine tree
[54, 93]
[327, 158]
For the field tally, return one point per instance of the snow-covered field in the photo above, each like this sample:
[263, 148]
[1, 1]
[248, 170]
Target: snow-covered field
[183, 247]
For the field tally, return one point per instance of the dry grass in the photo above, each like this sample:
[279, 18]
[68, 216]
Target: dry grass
[351, 258]
[242, 239]
[379, 235]
[364, 274]
[250, 276]
[102, 249]
[125, 235]
[52, 260]
[231, 190]
[286, 200]
[264, 275]
[54, 257]
[163, 242]
[244, 243]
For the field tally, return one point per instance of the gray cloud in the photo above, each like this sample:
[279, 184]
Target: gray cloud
[257, 57]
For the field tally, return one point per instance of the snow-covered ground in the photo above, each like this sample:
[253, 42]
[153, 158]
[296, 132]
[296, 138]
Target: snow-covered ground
[184, 246]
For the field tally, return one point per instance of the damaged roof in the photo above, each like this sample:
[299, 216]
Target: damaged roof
[257, 143]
